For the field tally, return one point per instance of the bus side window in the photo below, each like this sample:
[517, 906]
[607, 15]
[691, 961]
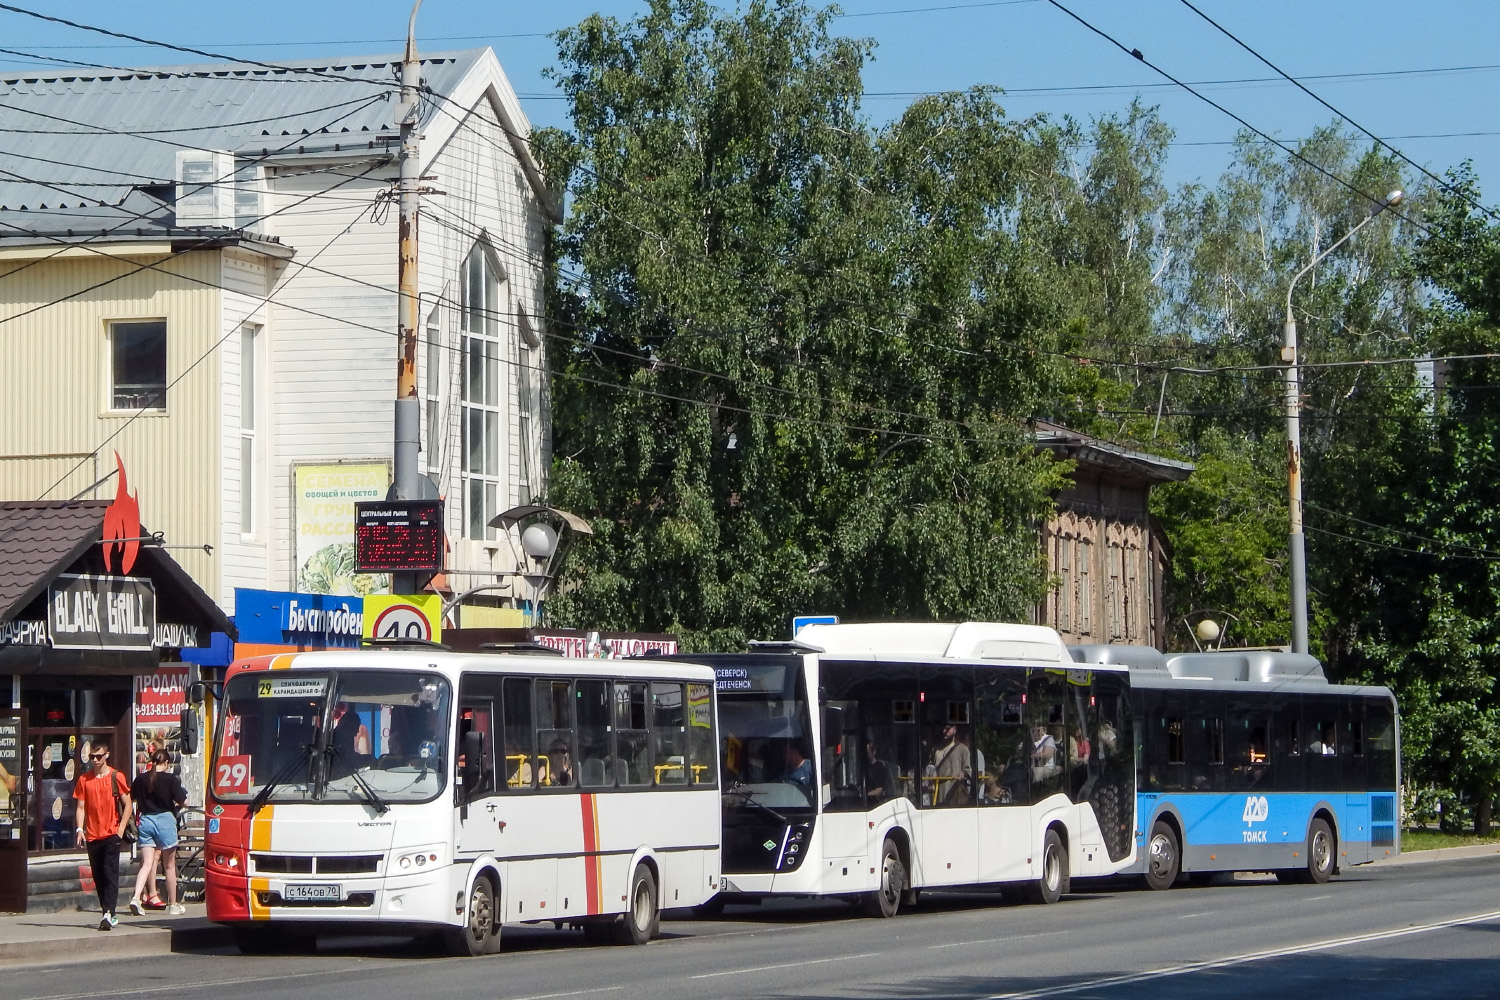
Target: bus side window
[519, 735]
[595, 755]
[668, 734]
[555, 758]
[702, 747]
[632, 735]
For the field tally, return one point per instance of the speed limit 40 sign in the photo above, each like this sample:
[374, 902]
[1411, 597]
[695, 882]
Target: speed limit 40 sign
[403, 616]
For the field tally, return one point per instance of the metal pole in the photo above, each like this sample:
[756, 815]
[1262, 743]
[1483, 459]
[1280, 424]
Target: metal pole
[1295, 542]
[1296, 546]
[408, 409]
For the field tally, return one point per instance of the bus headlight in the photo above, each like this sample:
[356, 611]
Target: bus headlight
[417, 859]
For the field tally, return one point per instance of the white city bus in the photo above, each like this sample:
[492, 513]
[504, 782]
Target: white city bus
[937, 755]
[420, 791]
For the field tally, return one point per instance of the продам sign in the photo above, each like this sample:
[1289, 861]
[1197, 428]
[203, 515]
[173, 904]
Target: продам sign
[161, 695]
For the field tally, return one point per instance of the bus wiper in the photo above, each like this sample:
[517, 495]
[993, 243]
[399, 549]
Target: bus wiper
[748, 797]
[287, 769]
[364, 786]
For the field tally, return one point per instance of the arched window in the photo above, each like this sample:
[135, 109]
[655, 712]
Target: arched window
[482, 291]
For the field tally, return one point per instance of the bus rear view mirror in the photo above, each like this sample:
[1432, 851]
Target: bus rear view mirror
[188, 724]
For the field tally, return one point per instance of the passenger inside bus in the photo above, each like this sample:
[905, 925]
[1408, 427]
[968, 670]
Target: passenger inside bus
[559, 764]
[880, 782]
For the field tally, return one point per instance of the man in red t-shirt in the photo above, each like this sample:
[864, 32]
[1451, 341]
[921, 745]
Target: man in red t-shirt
[101, 823]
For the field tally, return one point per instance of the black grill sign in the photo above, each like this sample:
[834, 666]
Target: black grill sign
[101, 612]
[395, 536]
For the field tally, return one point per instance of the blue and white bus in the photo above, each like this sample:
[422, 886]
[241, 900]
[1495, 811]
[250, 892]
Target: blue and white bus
[1250, 760]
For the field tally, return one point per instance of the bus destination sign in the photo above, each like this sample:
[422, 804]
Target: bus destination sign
[395, 536]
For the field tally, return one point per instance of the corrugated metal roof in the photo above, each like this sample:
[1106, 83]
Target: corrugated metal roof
[74, 146]
[40, 540]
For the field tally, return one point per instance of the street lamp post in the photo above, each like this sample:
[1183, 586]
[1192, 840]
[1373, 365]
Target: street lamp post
[1297, 549]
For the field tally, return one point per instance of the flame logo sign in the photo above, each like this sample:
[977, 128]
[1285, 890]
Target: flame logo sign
[122, 528]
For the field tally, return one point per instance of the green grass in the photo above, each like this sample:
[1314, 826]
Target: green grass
[1431, 840]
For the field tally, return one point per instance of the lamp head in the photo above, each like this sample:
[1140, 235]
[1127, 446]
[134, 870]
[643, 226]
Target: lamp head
[1207, 630]
[539, 541]
[1394, 198]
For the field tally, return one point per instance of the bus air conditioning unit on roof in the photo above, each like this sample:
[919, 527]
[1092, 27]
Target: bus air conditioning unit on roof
[205, 188]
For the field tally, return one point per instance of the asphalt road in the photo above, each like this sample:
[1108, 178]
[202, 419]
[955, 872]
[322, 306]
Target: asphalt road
[1426, 930]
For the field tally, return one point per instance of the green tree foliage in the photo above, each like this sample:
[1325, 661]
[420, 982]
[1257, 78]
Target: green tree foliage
[803, 349]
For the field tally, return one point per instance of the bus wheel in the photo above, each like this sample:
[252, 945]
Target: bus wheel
[1053, 882]
[1320, 851]
[642, 919]
[1164, 861]
[473, 937]
[885, 901]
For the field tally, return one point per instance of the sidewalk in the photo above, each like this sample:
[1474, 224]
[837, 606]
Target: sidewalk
[73, 936]
[55, 938]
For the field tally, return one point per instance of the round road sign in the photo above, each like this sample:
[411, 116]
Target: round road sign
[402, 621]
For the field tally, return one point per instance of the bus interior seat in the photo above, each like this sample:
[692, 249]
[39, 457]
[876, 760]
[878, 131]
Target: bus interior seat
[591, 772]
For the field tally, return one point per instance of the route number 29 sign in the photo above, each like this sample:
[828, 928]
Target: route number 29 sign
[232, 775]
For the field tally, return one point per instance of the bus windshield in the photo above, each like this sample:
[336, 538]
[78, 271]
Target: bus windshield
[763, 717]
[381, 737]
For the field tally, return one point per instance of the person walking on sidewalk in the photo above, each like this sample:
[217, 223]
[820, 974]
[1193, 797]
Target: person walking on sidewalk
[103, 810]
[158, 795]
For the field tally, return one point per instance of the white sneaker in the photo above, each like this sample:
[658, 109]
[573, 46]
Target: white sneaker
[176, 909]
[135, 907]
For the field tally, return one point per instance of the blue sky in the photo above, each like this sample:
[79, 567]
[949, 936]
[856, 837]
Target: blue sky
[1427, 75]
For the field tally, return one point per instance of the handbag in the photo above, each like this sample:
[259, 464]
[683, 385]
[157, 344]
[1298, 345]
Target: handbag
[132, 829]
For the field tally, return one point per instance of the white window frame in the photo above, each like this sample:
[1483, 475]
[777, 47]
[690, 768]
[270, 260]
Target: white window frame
[110, 386]
[482, 290]
[250, 420]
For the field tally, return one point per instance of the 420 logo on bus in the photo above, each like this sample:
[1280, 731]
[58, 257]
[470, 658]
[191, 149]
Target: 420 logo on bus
[1257, 810]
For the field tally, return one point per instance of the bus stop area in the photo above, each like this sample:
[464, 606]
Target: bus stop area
[66, 937]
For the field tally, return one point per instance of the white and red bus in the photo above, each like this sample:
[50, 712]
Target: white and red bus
[421, 791]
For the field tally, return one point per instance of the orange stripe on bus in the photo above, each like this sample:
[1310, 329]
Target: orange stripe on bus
[260, 829]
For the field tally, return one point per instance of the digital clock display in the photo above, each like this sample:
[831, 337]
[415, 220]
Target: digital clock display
[395, 536]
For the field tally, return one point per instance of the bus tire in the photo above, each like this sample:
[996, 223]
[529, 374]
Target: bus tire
[1163, 858]
[1053, 881]
[643, 918]
[1322, 850]
[473, 938]
[886, 900]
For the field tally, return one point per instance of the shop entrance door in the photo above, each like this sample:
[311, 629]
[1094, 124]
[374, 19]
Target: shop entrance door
[12, 811]
[60, 756]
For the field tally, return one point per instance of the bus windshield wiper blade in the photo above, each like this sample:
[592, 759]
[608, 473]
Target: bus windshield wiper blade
[264, 795]
[370, 793]
[748, 797]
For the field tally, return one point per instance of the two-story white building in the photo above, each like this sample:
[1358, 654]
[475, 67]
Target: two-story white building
[198, 269]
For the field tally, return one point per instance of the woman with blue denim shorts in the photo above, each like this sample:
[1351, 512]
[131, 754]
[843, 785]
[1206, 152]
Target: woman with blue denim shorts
[158, 794]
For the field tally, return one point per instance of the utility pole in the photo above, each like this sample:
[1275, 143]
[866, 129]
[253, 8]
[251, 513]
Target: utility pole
[408, 409]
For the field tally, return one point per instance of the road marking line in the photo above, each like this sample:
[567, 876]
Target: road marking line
[1254, 956]
[1190, 916]
[1000, 940]
[785, 965]
[574, 993]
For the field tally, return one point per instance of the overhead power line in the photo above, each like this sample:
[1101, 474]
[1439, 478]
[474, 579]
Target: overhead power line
[1374, 200]
[1441, 182]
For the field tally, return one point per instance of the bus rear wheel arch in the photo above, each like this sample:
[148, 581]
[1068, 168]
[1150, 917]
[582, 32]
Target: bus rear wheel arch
[1163, 856]
[1321, 856]
[1050, 885]
[642, 919]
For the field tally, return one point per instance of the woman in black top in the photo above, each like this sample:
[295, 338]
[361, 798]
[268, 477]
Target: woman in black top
[158, 795]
